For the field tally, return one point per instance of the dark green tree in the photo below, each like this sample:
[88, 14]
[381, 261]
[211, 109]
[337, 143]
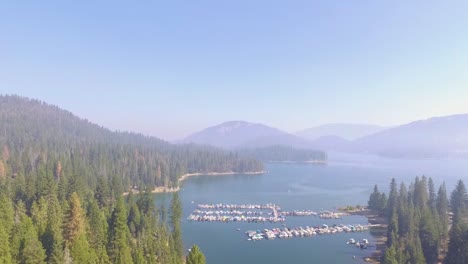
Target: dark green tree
[118, 246]
[176, 215]
[195, 256]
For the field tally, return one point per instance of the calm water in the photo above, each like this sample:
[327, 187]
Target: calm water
[346, 180]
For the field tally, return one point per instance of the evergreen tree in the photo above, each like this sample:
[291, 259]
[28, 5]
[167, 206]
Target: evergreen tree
[432, 195]
[98, 232]
[458, 245]
[5, 256]
[429, 236]
[417, 230]
[392, 198]
[81, 252]
[74, 221]
[53, 238]
[195, 256]
[390, 256]
[442, 210]
[6, 212]
[374, 199]
[176, 215]
[25, 245]
[118, 247]
[458, 202]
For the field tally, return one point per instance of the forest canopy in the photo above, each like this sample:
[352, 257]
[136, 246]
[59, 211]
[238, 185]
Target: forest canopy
[35, 135]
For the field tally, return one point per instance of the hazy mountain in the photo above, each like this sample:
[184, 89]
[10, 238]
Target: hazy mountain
[434, 137]
[331, 143]
[345, 131]
[241, 134]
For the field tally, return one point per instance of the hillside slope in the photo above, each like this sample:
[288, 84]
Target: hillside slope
[435, 137]
[44, 135]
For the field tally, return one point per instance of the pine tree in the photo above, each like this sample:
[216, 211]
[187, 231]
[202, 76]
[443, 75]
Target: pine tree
[457, 249]
[74, 221]
[6, 212]
[134, 218]
[442, 209]
[390, 256]
[415, 250]
[429, 236]
[53, 238]
[98, 234]
[39, 215]
[458, 202]
[176, 214]
[118, 247]
[392, 198]
[81, 252]
[195, 256]
[374, 198]
[432, 195]
[5, 256]
[25, 245]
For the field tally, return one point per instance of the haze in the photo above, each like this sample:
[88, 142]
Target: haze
[171, 68]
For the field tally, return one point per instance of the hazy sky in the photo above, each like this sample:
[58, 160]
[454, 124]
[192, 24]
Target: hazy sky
[167, 68]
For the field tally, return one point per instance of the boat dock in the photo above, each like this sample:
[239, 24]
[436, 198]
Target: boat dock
[252, 213]
[285, 232]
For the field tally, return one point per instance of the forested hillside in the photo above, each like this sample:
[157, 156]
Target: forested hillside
[61, 185]
[34, 135]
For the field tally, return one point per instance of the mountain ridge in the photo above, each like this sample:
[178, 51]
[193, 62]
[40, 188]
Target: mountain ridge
[243, 134]
[348, 131]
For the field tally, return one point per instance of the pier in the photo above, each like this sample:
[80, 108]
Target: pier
[253, 213]
[284, 233]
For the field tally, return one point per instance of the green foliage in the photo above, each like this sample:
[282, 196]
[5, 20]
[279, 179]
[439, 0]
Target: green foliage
[61, 184]
[195, 256]
[81, 252]
[5, 256]
[176, 214]
[41, 136]
[458, 243]
[378, 201]
[118, 247]
[418, 222]
[459, 202]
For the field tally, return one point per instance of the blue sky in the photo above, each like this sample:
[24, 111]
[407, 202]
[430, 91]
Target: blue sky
[168, 68]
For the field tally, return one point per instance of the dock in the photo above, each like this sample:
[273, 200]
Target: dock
[253, 213]
[284, 233]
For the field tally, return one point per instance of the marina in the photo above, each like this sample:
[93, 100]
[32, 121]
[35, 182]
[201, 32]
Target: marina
[253, 213]
[285, 232]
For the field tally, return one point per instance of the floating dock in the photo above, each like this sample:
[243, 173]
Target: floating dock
[285, 232]
[252, 213]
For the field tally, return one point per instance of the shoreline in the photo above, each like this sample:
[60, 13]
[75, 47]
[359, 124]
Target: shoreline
[164, 189]
[378, 230]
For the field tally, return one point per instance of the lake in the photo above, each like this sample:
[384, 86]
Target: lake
[345, 180]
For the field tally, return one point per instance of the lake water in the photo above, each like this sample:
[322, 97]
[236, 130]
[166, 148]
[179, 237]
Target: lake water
[346, 180]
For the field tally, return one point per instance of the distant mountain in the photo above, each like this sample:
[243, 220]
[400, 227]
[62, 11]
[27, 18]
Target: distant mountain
[241, 134]
[435, 137]
[331, 143]
[345, 131]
